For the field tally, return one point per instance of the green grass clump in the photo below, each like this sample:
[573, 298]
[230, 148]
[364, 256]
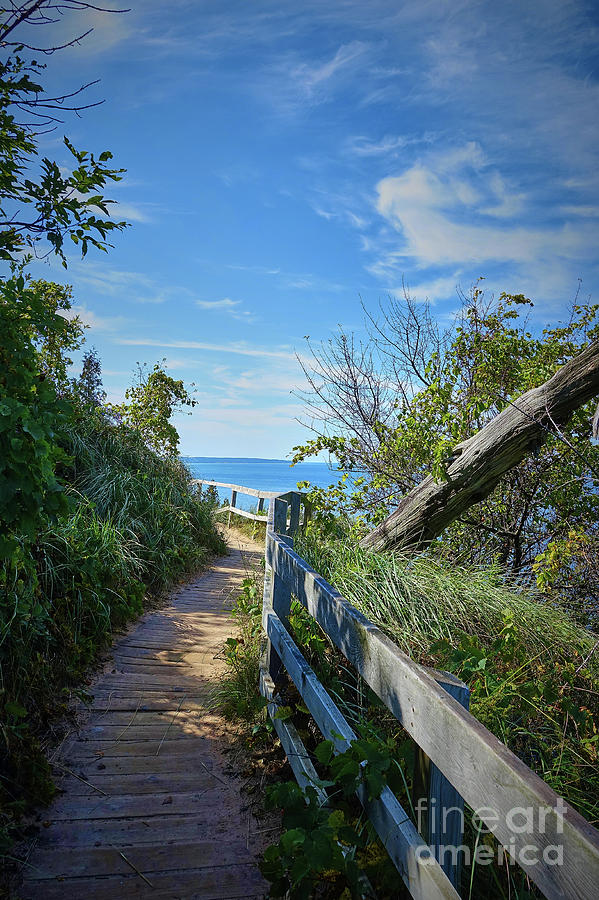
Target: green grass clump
[237, 696]
[421, 599]
[135, 526]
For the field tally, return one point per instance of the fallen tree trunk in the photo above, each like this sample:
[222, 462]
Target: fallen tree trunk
[478, 463]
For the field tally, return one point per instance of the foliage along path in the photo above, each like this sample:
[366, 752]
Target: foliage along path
[147, 808]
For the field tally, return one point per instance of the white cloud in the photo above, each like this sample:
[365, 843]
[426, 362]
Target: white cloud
[442, 209]
[225, 303]
[240, 349]
[295, 280]
[93, 321]
[228, 306]
[436, 289]
[291, 84]
[261, 270]
[129, 212]
[311, 77]
[363, 146]
[586, 212]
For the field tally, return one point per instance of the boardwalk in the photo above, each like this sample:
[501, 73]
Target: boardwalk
[147, 809]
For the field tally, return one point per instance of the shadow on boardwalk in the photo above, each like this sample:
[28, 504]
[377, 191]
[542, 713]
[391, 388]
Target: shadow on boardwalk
[146, 807]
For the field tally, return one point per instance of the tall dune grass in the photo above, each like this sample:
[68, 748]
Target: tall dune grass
[418, 600]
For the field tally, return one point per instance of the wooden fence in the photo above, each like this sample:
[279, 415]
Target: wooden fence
[258, 516]
[462, 761]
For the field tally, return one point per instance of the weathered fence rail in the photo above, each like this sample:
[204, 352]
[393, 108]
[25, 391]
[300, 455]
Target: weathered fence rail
[461, 760]
[258, 516]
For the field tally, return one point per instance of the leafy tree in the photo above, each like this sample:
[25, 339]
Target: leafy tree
[391, 409]
[55, 344]
[39, 209]
[152, 400]
[33, 339]
[88, 387]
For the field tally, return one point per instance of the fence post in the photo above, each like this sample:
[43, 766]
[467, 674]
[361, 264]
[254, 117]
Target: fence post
[233, 502]
[277, 596]
[280, 516]
[307, 512]
[294, 515]
[439, 807]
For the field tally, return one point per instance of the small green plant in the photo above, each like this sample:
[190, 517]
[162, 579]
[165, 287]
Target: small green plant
[321, 842]
[238, 696]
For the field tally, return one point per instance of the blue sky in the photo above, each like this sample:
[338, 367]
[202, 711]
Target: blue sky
[287, 160]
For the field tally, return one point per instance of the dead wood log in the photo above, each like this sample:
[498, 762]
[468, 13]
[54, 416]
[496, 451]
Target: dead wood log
[478, 463]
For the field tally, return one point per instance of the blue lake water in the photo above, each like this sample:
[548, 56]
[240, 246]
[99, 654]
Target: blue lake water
[262, 474]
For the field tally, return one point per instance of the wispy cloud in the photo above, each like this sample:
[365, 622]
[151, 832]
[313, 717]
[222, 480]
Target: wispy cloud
[92, 320]
[240, 349]
[312, 76]
[131, 212]
[292, 84]
[388, 145]
[226, 303]
[444, 209]
[132, 286]
[228, 306]
[441, 288]
[261, 270]
[305, 281]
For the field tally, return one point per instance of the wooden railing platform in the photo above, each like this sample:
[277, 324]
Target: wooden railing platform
[260, 515]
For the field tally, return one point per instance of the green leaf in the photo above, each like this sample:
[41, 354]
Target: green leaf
[15, 710]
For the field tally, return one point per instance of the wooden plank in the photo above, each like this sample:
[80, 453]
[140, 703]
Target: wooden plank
[147, 764]
[160, 670]
[294, 512]
[489, 777]
[421, 874]
[98, 861]
[131, 832]
[241, 512]
[161, 666]
[235, 882]
[280, 516]
[93, 749]
[175, 803]
[139, 716]
[124, 692]
[196, 778]
[183, 684]
[128, 652]
[130, 701]
[438, 803]
[174, 730]
[279, 602]
[251, 492]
